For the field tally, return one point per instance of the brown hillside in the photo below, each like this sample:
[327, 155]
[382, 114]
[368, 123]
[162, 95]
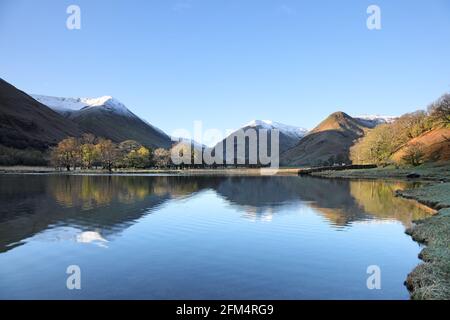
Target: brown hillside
[330, 141]
[436, 144]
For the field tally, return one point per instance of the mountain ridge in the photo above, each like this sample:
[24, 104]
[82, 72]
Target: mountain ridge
[107, 117]
[328, 143]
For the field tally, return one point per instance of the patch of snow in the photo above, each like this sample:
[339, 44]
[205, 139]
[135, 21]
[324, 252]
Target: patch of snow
[292, 131]
[109, 103]
[374, 120]
[60, 104]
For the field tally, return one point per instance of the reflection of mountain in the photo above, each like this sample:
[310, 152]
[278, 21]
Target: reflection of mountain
[109, 204]
[29, 204]
[331, 197]
[339, 201]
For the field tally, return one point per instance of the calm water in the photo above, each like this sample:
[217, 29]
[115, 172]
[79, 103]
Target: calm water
[170, 237]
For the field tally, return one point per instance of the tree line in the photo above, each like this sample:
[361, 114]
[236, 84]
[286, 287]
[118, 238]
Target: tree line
[380, 143]
[90, 152]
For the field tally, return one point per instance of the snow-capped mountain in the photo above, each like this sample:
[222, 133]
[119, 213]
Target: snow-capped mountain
[194, 144]
[69, 105]
[107, 117]
[292, 131]
[375, 120]
[289, 136]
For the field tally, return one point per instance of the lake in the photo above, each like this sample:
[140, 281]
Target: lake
[185, 237]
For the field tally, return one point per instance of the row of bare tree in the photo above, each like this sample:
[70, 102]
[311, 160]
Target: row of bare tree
[89, 151]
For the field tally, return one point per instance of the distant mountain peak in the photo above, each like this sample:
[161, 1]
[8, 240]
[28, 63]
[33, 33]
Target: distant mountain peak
[107, 117]
[100, 101]
[375, 120]
[283, 128]
[338, 121]
[107, 102]
[339, 115]
[63, 105]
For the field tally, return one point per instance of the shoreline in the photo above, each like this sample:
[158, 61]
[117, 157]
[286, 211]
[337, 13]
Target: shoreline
[430, 280]
[185, 172]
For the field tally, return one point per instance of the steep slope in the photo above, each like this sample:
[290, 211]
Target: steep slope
[327, 143]
[289, 136]
[435, 146]
[24, 122]
[109, 118]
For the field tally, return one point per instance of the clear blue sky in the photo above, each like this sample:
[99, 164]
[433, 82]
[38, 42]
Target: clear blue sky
[226, 62]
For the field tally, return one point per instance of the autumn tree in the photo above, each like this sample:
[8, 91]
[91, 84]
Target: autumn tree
[108, 153]
[414, 154]
[139, 158]
[380, 143]
[144, 157]
[409, 126]
[440, 110]
[374, 148]
[88, 152]
[134, 155]
[127, 146]
[66, 153]
[162, 157]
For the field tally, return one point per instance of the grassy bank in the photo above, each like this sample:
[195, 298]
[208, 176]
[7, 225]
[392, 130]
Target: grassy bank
[430, 279]
[431, 172]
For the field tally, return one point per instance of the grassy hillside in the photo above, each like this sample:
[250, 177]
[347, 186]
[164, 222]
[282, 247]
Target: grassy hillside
[326, 144]
[413, 139]
[435, 145]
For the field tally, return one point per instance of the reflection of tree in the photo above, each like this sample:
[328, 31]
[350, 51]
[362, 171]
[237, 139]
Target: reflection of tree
[89, 192]
[30, 204]
[376, 198]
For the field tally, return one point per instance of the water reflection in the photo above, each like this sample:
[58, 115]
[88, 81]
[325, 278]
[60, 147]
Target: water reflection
[96, 208]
